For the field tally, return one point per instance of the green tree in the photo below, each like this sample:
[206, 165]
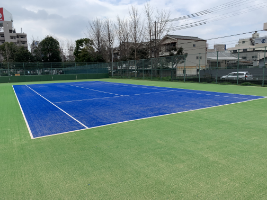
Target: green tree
[84, 51]
[23, 55]
[8, 50]
[50, 50]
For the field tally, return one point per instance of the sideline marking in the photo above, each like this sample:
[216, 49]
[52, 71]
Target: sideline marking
[58, 108]
[263, 97]
[23, 114]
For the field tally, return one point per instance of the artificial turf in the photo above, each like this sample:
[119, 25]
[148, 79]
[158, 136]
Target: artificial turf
[215, 153]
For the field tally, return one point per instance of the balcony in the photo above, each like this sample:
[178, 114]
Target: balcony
[22, 39]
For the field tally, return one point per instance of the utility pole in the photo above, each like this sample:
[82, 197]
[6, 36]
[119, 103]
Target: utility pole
[150, 43]
[155, 50]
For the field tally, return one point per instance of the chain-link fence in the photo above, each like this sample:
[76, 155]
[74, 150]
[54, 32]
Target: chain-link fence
[237, 66]
[60, 68]
[44, 71]
[241, 66]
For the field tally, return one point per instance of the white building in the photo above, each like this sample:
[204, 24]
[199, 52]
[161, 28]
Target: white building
[195, 47]
[252, 50]
[220, 59]
[8, 32]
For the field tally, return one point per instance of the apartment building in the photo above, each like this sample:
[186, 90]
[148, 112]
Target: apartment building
[195, 48]
[252, 50]
[8, 32]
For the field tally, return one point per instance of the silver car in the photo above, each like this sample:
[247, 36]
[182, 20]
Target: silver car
[241, 76]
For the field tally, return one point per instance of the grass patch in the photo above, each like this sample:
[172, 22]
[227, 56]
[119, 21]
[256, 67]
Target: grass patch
[215, 153]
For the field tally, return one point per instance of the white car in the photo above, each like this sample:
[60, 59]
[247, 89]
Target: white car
[241, 76]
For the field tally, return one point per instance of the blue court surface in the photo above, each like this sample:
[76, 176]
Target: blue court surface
[57, 108]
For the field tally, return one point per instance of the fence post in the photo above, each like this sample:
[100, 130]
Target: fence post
[199, 68]
[160, 69]
[217, 67]
[172, 69]
[128, 71]
[24, 69]
[8, 69]
[263, 68]
[143, 70]
[151, 67]
[184, 68]
[121, 69]
[237, 68]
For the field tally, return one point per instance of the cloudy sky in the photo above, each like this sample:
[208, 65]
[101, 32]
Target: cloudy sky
[68, 19]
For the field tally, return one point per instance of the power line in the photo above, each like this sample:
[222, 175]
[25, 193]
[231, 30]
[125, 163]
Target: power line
[211, 10]
[216, 18]
[234, 35]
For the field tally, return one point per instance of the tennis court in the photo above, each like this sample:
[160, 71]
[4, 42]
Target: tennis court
[214, 147]
[65, 107]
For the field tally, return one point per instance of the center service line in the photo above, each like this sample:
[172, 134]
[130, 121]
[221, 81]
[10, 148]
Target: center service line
[58, 107]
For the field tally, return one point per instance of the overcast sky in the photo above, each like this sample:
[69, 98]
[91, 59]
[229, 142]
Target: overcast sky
[68, 19]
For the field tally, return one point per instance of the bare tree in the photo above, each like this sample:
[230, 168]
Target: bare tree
[63, 50]
[109, 36]
[149, 30]
[157, 25]
[96, 33]
[123, 35]
[70, 45]
[136, 28]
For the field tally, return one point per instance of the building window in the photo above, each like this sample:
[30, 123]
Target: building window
[197, 57]
[254, 57]
[234, 51]
[243, 42]
[244, 57]
[245, 50]
[194, 45]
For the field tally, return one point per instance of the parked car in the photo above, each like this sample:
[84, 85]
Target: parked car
[241, 76]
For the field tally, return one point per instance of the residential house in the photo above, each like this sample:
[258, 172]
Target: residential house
[194, 47]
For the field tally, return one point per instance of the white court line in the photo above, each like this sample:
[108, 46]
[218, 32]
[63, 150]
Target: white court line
[94, 90]
[150, 117]
[27, 124]
[58, 108]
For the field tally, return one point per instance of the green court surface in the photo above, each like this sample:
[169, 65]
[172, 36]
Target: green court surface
[214, 153]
